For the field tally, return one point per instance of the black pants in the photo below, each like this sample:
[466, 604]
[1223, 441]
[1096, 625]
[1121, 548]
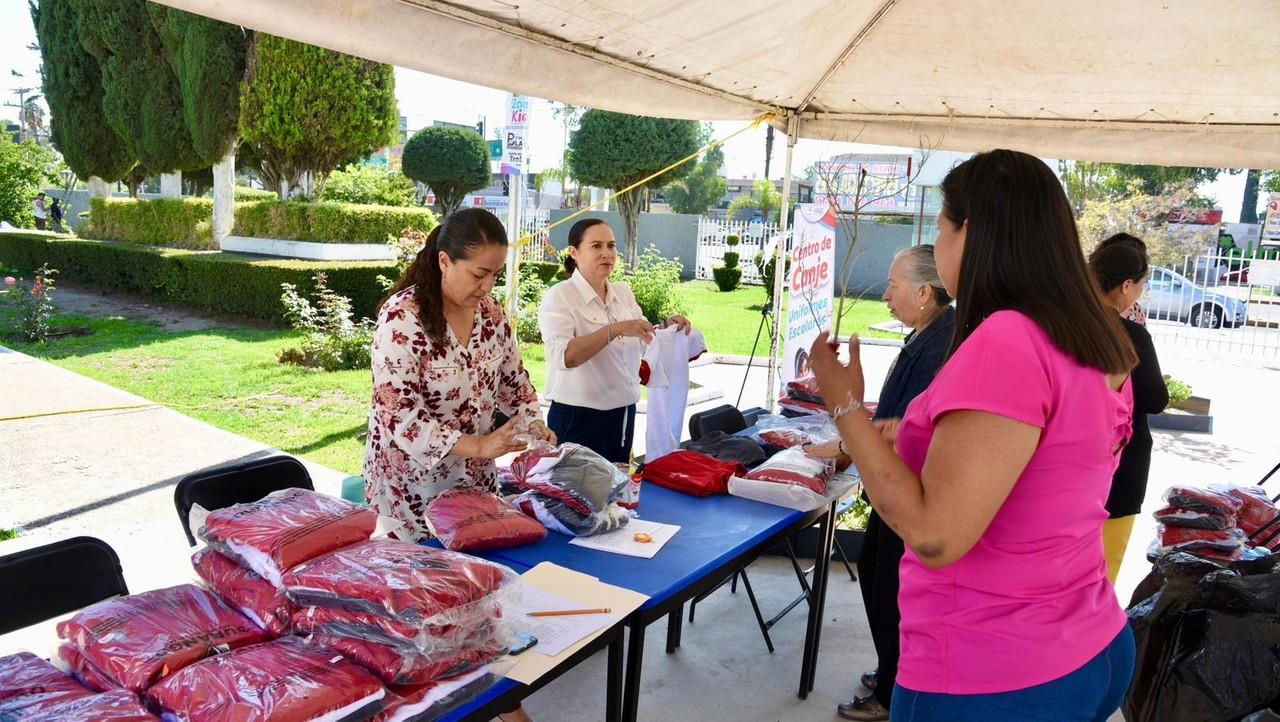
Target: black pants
[878, 577]
[608, 433]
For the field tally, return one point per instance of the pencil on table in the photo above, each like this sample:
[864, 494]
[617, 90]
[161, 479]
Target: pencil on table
[564, 612]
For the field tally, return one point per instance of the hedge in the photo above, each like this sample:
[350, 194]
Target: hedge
[249, 193]
[176, 222]
[328, 222]
[217, 282]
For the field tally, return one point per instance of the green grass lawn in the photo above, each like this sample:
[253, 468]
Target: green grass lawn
[232, 378]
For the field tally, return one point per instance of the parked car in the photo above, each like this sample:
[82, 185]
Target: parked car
[1171, 296]
[1238, 277]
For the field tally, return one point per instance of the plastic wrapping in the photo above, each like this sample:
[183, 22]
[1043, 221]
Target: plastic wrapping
[404, 664]
[29, 684]
[426, 638]
[1172, 516]
[1256, 508]
[805, 389]
[784, 432]
[430, 701]
[1221, 540]
[286, 679]
[571, 490]
[85, 672]
[417, 584]
[138, 639]
[796, 407]
[1207, 499]
[241, 588]
[792, 496]
[472, 519]
[728, 447]
[793, 466]
[692, 473]
[285, 528]
[114, 706]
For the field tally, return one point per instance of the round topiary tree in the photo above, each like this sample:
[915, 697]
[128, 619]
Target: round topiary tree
[729, 276]
[451, 161]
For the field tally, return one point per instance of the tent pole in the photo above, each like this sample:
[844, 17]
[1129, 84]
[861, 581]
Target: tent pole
[780, 265]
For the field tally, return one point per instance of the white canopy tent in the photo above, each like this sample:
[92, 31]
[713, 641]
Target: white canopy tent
[1172, 82]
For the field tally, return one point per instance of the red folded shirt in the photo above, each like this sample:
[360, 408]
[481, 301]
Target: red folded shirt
[464, 621]
[1203, 499]
[394, 578]
[1196, 539]
[286, 528]
[29, 684]
[85, 671]
[286, 679]
[140, 639]
[692, 473]
[1256, 508]
[424, 702]
[403, 664]
[792, 466]
[472, 519]
[242, 589]
[114, 706]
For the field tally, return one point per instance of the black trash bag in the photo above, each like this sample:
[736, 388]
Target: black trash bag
[1208, 641]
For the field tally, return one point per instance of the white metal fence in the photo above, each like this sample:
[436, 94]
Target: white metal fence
[533, 223]
[1223, 303]
[753, 238]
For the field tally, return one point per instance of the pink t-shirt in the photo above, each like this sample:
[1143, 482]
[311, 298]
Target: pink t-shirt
[1030, 602]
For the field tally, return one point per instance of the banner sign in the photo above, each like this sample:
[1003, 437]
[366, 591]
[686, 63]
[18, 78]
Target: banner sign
[516, 135]
[812, 283]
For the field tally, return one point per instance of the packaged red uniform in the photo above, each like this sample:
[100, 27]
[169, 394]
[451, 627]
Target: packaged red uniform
[139, 639]
[463, 623]
[1256, 508]
[692, 473]
[793, 466]
[1203, 499]
[115, 706]
[472, 519]
[286, 680]
[402, 664]
[286, 528]
[29, 684]
[417, 584]
[243, 589]
[86, 672]
[424, 702]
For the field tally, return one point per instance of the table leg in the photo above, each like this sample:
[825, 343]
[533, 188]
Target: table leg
[822, 572]
[814, 622]
[635, 661]
[675, 628]
[613, 693]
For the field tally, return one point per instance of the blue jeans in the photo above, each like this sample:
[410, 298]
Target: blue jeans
[1089, 694]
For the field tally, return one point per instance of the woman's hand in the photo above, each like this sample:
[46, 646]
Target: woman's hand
[841, 384]
[501, 441]
[681, 323]
[540, 432]
[635, 328]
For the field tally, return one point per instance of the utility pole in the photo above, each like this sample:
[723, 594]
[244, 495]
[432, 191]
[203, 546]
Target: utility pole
[768, 149]
[21, 106]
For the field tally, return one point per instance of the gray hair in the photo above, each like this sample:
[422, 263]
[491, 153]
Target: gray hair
[922, 270]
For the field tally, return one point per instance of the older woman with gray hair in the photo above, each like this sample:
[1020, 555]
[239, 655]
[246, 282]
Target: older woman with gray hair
[916, 297]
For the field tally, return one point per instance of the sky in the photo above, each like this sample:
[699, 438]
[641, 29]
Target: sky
[424, 98]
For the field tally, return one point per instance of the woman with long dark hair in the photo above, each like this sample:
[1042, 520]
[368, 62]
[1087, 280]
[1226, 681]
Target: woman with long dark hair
[445, 362]
[1003, 465]
[595, 335]
[1120, 264]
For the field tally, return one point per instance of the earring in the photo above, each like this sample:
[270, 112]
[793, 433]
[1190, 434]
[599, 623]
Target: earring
[922, 307]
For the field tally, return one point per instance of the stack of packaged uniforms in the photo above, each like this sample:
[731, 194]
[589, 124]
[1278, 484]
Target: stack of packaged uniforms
[570, 489]
[802, 398]
[473, 519]
[33, 690]
[1219, 522]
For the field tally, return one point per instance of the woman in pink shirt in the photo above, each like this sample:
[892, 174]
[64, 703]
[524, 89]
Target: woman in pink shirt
[1003, 466]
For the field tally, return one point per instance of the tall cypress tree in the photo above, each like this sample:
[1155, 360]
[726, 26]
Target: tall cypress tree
[73, 89]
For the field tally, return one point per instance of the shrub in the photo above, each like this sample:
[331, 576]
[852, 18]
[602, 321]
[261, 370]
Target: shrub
[217, 282]
[731, 259]
[655, 281]
[530, 294]
[360, 183]
[174, 222]
[765, 265]
[34, 302]
[328, 222]
[727, 279]
[732, 240]
[249, 193]
[331, 340]
[545, 271]
[1178, 391]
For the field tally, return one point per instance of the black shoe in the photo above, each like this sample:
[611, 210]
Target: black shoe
[867, 709]
[869, 679]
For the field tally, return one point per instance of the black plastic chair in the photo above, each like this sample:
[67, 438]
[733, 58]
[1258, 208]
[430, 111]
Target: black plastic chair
[239, 482]
[57, 578]
[726, 418]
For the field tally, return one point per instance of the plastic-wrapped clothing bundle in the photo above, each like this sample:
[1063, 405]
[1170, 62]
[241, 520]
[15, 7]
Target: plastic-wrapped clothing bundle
[241, 588]
[473, 519]
[570, 489]
[792, 466]
[798, 407]
[404, 664]
[1256, 510]
[427, 638]
[728, 447]
[85, 671]
[115, 706]
[1221, 544]
[784, 432]
[416, 584]
[141, 638]
[805, 389]
[1172, 516]
[286, 528]
[1205, 499]
[286, 679]
[692, 473]
[424, 702]
[29, 684]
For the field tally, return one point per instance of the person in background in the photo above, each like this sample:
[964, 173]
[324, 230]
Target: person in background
[445, 361]
[55, 214]
[1003, 465]
[1120, 265]
[916, 297]
[40, 211]
[595, 336]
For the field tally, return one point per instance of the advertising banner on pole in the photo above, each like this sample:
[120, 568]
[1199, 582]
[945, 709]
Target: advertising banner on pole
[811, 283]
[515, 136]
[1271, 221]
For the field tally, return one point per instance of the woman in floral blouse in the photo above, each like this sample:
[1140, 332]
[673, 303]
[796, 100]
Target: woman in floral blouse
[445, 362]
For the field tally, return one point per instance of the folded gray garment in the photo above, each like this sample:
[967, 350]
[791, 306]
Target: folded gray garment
[727, 447]
[577, 496]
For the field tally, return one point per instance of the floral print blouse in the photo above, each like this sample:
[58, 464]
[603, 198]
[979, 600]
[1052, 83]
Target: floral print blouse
[426, 395]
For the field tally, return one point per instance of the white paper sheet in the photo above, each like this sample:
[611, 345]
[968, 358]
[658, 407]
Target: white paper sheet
[555, 634]
[622, 540]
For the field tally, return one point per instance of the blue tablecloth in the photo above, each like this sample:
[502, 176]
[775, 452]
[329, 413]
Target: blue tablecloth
[712, 529]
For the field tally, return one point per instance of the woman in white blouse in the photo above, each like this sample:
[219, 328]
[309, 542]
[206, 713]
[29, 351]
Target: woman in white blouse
[445, 361]
[595, 336]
